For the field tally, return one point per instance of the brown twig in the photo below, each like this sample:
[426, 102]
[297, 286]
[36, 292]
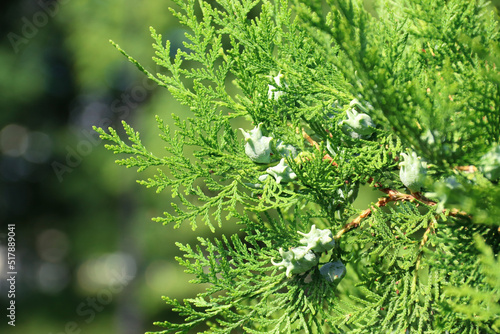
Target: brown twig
[357, 221]
[468, 169]
[425, 237]
[316, 145]
[394, 196]
[456, 212]
[309, 139]
[452, 212]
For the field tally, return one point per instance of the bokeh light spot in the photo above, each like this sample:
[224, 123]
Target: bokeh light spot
[107, 270]
[52, 277]
[13, 140]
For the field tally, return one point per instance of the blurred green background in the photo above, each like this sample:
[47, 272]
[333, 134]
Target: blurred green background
[88, 257]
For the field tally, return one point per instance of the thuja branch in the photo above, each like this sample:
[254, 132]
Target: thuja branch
[393, 196]
[450, 137]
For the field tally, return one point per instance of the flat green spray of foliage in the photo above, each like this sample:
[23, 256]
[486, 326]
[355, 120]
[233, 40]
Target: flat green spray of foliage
[403, 99]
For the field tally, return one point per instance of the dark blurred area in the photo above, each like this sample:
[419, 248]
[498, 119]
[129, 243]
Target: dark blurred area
[86, 256]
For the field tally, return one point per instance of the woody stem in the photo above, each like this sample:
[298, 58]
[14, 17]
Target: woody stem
[393, 196]
[316, 145]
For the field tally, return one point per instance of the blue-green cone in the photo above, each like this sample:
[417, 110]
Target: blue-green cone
[413, 171]
[297, 260]
[257, 146]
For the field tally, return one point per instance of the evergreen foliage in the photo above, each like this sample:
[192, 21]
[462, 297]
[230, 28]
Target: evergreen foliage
[337, 97]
